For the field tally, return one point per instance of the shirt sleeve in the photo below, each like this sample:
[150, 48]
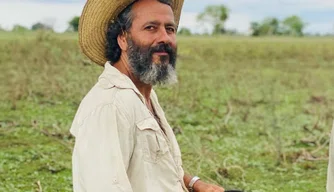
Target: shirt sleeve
[330, 175]
[103, 150]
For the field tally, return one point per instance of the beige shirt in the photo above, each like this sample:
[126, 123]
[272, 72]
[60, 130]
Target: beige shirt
[330, 174]
[119, 145]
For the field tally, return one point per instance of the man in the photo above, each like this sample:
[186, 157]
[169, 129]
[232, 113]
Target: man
[123, 140]
[330, 175]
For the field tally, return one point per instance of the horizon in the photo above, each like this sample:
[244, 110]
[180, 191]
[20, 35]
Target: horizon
[318, 14]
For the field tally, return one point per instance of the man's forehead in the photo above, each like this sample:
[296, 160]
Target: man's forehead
[152, 8]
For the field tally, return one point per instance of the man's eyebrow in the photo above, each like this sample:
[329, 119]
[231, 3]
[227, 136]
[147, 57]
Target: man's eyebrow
[158, 23]
[152, 23]
[170, 24]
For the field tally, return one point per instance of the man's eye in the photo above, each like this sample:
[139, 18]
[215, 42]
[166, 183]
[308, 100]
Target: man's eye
[150, 28]
[171, 29]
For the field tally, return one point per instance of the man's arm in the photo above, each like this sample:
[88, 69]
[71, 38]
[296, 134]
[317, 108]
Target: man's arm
[100, 158]
[200, 186]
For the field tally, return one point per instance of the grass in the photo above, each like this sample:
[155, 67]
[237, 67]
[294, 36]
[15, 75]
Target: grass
[249, 113]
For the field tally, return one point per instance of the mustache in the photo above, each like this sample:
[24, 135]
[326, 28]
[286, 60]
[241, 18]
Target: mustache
[162, 48]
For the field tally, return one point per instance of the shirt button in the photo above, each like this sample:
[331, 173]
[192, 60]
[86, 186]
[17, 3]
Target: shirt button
[114, 181]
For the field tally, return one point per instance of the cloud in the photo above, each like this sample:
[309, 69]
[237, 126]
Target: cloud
[188, 20]
[321, 28]
[276, 5]
[236, 21]
[239, 21]
[27, 13]
[318, 13]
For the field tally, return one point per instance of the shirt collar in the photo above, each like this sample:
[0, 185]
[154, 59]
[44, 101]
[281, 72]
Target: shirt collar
[112, 77]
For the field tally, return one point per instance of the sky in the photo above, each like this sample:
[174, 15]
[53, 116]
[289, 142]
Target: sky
[318, 14]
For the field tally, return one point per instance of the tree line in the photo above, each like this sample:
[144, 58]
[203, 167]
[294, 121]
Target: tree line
[215, 16]
[73, 26]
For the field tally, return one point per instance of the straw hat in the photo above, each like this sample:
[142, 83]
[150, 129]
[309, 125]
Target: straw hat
[94, 21]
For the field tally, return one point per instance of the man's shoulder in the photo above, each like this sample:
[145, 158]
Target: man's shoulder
[125, 100]
[98, 96]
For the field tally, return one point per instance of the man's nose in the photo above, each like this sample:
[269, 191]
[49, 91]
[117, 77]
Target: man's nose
[164, 37]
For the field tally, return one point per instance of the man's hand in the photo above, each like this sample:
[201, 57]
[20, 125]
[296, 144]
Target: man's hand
[201, 186]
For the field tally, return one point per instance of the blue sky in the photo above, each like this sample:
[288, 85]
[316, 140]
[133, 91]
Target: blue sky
[319, 14]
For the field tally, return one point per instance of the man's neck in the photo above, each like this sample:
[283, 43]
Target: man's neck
[143, 88]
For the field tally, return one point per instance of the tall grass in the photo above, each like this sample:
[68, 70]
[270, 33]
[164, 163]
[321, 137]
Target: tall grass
[249, 113]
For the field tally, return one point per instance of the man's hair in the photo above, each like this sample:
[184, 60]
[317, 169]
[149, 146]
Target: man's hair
[121, 24]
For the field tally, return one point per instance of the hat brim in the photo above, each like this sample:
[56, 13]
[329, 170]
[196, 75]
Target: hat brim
[94, 21]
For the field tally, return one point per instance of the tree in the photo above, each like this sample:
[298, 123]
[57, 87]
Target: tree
[184, 31]
[272, 26]
[293, 25]
[74, 24]
[41, 26]
[2, 29]
[255, 28]
[216, 15]
[269, 26]
[19, 28]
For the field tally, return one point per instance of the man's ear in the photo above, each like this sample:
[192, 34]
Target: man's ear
[121, 39]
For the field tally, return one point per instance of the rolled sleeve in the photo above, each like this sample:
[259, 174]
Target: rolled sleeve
[100, 157]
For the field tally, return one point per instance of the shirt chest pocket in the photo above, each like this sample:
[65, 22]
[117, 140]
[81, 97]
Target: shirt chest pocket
[152, 141]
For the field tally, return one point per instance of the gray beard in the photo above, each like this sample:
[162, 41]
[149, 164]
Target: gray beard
[152, 75]
[146, 71]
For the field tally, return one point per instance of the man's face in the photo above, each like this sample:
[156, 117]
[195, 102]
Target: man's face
[152, 43]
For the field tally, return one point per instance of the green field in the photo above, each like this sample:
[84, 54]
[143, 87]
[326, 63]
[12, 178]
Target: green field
[249, 113]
